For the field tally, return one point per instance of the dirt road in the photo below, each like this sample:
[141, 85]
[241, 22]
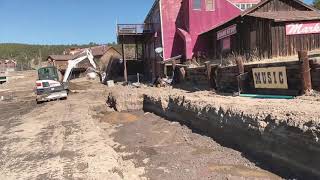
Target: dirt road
[81, 139]
[56, 140]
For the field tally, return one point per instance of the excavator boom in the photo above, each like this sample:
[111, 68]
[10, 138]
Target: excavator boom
[73, 63]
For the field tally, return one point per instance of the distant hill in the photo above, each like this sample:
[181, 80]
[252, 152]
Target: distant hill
[29, 55]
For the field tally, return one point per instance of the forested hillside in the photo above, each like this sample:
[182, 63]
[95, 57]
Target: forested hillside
[26, 52]
[29, 55]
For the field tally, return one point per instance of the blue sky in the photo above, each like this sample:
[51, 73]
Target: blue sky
[68, 21]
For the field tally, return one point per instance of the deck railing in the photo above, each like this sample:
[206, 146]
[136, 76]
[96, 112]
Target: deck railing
[124, 29]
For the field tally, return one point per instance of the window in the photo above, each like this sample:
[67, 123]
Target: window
[197, 4]
[243, 7]
[248, 6]
[210, 5]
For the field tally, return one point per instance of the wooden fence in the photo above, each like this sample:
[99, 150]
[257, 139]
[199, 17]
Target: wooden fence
[315, 74]
[301, 76]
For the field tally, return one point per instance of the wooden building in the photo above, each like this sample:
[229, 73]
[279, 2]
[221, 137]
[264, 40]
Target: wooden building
[175, 25]
[8, 65]
[107, 59]
[270, 29]
[60, 61]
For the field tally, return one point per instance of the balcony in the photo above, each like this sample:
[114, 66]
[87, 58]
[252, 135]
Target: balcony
[133, 33]
[131, 29]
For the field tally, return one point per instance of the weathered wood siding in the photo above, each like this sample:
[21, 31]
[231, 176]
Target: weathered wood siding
[262, 38]
[283, 45]
[294, 77]
[151, 66]
[253, 39]
[225, 79]
[197, 76]
[315, 74]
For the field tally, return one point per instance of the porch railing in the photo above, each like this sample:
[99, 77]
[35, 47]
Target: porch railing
[123, 29]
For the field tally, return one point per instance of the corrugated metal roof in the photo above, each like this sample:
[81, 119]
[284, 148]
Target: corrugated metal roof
[257, 6]
[281, 16]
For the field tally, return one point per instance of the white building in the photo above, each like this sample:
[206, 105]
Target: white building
[244, 4]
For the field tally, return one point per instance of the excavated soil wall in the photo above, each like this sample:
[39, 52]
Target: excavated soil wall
[288, 148]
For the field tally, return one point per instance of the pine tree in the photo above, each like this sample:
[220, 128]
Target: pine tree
[316, 4]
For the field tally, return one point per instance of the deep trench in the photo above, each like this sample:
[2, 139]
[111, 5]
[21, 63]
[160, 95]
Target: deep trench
[280, 149]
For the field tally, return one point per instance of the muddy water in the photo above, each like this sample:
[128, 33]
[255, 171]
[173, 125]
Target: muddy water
[169, 150]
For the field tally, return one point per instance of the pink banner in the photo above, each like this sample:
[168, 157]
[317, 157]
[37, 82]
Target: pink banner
[303, 28]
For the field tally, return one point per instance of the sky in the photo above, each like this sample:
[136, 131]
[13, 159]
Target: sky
[68, 21]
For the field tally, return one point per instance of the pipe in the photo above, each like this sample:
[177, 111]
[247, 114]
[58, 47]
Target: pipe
[262, 96]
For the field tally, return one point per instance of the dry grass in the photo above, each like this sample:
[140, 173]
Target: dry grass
[253, 58]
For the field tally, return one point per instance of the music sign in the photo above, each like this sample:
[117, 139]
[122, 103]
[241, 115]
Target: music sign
[270, 78]
[303, 28]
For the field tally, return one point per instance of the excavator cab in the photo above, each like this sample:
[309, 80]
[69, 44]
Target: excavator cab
[48, 86]
[48, 73]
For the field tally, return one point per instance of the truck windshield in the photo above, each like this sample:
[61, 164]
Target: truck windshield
[48, 73]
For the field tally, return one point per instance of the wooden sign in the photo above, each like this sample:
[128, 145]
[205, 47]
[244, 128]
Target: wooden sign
[303, 28]
[227, 32]
[270, 78]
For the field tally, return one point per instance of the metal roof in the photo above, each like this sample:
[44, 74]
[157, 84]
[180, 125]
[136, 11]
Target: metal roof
[281, 16]
[257, 6]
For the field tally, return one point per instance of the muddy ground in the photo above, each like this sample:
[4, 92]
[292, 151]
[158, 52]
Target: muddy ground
[169, 150]
[80, 138]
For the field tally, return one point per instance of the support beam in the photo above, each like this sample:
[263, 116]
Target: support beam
[125, 73]
[208, 70]
[240, 65]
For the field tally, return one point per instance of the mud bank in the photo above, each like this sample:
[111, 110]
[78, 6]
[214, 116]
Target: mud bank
[285, 139]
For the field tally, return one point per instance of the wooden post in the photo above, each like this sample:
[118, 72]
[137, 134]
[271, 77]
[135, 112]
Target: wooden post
[182, 74]
[240, 73]
[208, 68]
[165, 70]
[174, 64]
[125, 74]
[135, 41]
[305, 71]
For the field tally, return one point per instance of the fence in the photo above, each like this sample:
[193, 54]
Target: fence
[278, 78]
